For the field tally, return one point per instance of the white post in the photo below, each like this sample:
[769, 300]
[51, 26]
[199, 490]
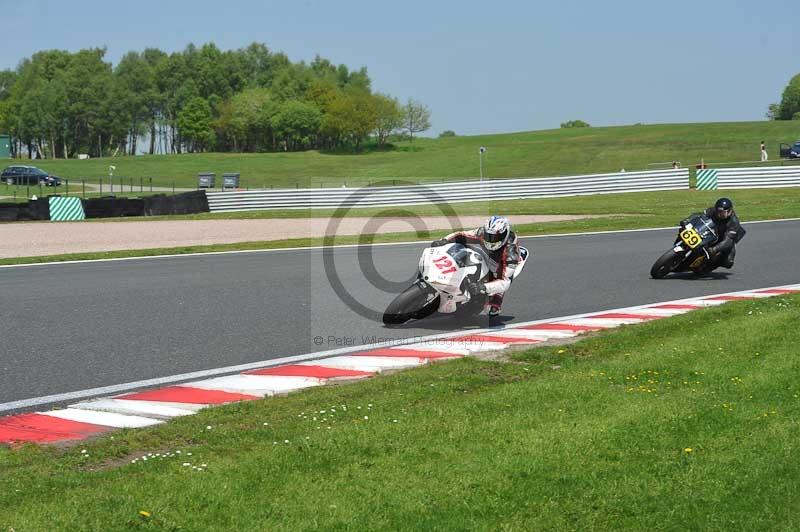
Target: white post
[111, 177]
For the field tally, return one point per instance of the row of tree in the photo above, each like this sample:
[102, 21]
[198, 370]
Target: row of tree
[58, 104]
[789, 108]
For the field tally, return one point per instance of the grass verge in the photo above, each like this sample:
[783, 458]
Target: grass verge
[216, 248]
[688, 423]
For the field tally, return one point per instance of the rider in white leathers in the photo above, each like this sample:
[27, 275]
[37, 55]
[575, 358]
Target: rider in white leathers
[497, 242]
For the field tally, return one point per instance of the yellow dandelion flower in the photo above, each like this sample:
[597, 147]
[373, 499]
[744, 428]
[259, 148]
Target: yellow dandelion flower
[688, 450]
[144, 513]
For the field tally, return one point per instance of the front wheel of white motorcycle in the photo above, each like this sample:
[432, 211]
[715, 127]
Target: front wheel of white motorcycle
[415, 302]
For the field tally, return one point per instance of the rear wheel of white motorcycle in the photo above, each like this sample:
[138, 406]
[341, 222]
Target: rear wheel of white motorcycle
[415, 302]
[665, 264]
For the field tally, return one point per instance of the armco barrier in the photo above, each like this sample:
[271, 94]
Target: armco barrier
[771, 177]
[321, 198]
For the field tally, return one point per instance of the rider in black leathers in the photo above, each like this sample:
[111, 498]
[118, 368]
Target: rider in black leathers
[729, 232]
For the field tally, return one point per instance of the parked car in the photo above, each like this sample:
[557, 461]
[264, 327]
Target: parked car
[790, 152]
[794, 151]
[28, 175]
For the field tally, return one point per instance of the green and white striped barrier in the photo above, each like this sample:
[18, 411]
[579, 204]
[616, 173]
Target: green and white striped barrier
[66, 209]
[707, 179]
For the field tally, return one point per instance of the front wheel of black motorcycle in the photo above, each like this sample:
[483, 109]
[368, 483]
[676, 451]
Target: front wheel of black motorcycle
[665, 264]
[415, 302]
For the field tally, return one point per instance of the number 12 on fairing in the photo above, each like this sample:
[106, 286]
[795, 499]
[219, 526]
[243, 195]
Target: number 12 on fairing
[444, 264]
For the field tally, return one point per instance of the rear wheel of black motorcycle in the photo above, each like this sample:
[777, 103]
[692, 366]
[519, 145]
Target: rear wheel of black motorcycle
[665, 264]
[415, 302]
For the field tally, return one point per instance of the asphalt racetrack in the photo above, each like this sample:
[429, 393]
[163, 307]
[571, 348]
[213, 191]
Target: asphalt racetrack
[71, 327]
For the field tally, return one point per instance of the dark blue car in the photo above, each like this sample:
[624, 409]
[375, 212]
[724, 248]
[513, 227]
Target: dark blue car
[28, 175]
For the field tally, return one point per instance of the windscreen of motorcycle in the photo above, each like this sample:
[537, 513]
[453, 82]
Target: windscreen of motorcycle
[699, 231]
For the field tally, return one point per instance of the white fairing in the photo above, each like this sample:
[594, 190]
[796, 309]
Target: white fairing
[447, 277]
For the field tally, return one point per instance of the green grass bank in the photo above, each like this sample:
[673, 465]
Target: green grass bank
[524, 154]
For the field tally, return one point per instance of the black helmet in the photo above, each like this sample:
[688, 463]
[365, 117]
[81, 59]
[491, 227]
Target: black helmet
[723, 209]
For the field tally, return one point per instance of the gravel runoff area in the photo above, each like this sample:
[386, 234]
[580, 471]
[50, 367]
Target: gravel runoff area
[42, 238]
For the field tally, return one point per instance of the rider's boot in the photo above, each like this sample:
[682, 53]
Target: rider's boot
[493, 305]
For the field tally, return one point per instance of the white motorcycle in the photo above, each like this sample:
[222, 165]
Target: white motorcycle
[442, 284]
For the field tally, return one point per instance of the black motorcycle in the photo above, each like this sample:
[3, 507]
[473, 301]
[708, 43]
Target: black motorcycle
[690, 252]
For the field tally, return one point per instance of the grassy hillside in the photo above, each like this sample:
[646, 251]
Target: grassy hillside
[527, 154]
[662, 426]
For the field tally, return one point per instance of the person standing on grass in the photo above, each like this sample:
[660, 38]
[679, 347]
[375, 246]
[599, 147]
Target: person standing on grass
[764, 156]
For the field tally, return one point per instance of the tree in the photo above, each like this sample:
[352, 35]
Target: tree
[7, 80]
[296, 123]
[57, 103]
[135, 85]
[350, 118]
[416, 118]
[209, 72]
[321, 93]
[156, 104]
[773, 111]
[790, 101]
[388, 117]
[39, 105]
[87, 81]
[447, 133]
[194, 123]
[575, 123]
[251, 120]
[290, 83]
[258, 63]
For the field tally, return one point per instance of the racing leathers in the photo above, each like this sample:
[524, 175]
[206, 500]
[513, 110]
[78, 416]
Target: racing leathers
[729, 232]
[502, 264]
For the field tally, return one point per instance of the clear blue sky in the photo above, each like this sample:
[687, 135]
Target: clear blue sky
[481, 67]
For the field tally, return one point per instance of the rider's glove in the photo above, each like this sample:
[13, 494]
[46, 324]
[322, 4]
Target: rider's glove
[475, 289]
[440, 242]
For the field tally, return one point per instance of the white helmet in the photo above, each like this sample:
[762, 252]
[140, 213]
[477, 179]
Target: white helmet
[496, 232]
